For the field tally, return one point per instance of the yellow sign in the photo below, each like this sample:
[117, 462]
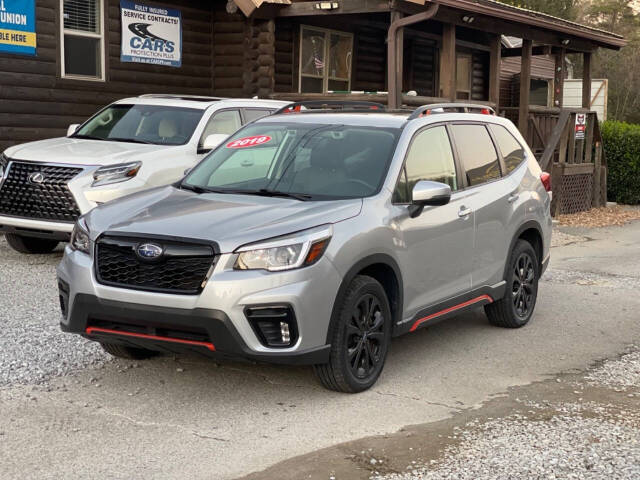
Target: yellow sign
[16, 37]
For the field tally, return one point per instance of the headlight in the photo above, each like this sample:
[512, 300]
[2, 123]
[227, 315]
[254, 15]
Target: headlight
[4, 162]
[115, 173]
[80, 237]
[285, 253]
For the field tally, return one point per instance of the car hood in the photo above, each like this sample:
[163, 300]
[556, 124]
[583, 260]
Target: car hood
[229, 220]
[79, 151]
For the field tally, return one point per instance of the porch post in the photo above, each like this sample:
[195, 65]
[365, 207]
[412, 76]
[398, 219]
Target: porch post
[399, 61]
[559, 76]
[448, 64]
[494, 68]
[525, 87]
[586, 81]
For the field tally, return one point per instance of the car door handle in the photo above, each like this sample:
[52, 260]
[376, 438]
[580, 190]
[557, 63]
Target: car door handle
[464, 212]
[513, 197]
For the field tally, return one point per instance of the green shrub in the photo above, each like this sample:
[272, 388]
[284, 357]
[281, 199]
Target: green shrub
[622, 148]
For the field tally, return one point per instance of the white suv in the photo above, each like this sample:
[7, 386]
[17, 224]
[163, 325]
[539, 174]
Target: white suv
[129, 146]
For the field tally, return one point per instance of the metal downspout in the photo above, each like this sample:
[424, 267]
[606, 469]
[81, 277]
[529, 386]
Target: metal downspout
[393, 70]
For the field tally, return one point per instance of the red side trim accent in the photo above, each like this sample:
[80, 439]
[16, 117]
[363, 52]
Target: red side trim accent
[91, 330]
[451, 309]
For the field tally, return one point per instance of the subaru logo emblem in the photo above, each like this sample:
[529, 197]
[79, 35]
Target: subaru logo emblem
[149, 251]
[36, 177]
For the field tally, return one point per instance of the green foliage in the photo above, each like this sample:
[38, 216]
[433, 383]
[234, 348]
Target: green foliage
[622, 148]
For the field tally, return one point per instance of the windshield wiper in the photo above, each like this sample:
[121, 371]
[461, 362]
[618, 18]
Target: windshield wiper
[86, 137]
[303, 197]
[130, 140]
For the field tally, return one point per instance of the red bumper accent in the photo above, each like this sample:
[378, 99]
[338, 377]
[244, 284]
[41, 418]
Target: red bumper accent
[451, 309]
[92, 330]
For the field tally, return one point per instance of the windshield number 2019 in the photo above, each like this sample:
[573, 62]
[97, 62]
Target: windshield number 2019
[249, 141]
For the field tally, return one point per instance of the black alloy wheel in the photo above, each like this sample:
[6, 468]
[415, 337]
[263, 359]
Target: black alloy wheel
[523, 289]
[366, 339]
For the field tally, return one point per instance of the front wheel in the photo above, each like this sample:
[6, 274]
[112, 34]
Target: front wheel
[360, 339]
[23, 244]
[515, 309]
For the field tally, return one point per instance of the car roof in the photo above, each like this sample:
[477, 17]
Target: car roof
[377, 119]
[199, 102]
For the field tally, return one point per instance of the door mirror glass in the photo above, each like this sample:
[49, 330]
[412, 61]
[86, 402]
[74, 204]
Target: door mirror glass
[212, 141]
[72, 129]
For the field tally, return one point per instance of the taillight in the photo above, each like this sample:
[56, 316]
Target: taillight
[546, 181]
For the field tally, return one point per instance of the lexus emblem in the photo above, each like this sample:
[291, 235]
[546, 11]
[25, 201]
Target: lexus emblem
[149, 251]
[36, 178]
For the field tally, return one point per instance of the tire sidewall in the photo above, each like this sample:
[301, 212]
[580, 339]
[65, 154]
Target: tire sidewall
[520, 248]
[365, 285]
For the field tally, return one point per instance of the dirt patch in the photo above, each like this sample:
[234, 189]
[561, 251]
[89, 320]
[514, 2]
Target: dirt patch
[616, 215]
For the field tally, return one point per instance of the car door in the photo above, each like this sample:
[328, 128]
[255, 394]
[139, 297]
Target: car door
[436, 248]
[490, 197]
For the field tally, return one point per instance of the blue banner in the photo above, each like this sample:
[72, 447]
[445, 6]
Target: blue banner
[18, 26]
[150, 34]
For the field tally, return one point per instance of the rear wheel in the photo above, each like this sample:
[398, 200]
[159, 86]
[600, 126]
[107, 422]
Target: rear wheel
[360, 339]
[24, 244]
[515, 309]
[130, 353]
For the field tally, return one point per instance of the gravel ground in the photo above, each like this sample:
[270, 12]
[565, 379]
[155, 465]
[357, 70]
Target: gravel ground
[585, 440]
[32, 345]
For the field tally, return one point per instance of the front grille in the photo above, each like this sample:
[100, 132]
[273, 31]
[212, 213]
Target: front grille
[48, 199]
[181, 269]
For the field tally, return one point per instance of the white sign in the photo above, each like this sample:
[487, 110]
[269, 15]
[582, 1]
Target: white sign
[150, 34]
[581, 125]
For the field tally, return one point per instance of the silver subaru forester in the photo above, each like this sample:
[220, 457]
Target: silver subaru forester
[314, 237]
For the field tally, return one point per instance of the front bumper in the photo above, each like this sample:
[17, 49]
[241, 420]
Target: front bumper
[36, 228]
[216, 316]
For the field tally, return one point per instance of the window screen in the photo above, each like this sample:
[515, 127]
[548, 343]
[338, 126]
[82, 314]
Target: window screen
[251, 114]
[325, 60]
[226, 122]
[477, 153]
[430, 158]
[511, 150]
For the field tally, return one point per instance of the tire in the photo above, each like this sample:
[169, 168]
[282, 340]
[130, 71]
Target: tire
[365, 343]
[130, 353]
[30, 245]
[515, 309]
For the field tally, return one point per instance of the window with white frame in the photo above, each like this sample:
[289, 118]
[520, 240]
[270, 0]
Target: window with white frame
[325, 60]
[82, 39]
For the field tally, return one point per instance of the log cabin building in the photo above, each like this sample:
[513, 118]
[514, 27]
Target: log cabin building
[440, 50]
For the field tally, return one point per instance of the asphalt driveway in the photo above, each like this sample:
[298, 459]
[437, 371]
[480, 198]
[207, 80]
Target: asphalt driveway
[69, 411]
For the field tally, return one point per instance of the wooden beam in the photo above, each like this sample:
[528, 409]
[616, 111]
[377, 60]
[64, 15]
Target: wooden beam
[399, 58]
[299, 9]
[525, 87]
[494, 70]
[448, 64]
[586, 81]
[559, 76]
[517, 52]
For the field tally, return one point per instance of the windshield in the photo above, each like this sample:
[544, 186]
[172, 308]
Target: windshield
[318, 161]
[155, 124]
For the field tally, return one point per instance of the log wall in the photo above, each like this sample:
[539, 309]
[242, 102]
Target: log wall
[36, 103]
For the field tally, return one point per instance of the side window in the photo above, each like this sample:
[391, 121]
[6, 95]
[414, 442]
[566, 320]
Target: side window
[251, 114]
[477, 153]
[429, 158]
[511, 150]
[226, 122]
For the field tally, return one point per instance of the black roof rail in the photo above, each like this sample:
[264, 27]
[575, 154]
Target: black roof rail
[296, 107]
[431, 109]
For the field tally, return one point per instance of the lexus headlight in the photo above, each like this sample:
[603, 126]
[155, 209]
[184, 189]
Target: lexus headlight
[80, 237]
[4, 162]
[285, 253]
[115, 173]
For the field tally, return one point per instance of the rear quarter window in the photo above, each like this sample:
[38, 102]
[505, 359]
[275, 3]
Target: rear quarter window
[511, 150]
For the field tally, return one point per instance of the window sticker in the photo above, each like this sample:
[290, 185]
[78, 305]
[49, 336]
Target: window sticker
[249, 141]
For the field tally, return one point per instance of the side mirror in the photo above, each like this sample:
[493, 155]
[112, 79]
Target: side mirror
[427, 193]
[72, 129]
[212, 141]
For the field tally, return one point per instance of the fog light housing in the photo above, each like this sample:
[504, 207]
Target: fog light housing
[274, 325]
